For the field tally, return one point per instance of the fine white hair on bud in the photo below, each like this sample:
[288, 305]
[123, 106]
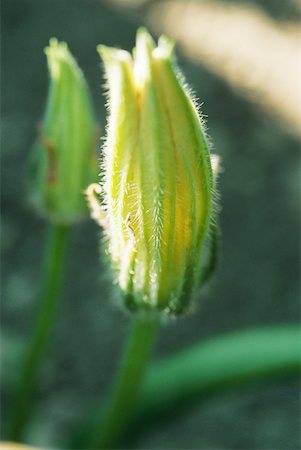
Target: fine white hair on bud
[158, 181]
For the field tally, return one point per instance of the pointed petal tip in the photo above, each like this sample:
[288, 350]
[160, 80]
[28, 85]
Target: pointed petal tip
[166, 43]
[142, 32]
[165, 49]
[111, 54]
[143, 38]
[57, 49]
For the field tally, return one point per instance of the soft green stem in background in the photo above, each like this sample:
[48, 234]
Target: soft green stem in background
[184, 379]
[125, 392]
[29, 372]
[219, 363]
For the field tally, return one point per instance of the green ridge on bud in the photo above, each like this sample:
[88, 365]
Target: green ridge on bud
[157, 188]
[64, 159]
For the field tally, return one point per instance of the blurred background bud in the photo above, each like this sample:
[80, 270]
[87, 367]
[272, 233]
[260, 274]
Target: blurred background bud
[158, 179]
[64, 158]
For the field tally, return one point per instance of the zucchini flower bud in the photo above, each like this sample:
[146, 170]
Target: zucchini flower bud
[157, 188]
[64, 159]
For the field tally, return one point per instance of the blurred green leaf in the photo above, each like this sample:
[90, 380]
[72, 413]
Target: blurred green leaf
[226, 361]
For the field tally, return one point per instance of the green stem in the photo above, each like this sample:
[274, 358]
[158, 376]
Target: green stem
[29, 373]
[175, 383]
[128, 382]
[220, 363]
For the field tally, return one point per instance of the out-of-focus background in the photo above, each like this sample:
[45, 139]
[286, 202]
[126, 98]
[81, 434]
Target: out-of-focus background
[242, 60]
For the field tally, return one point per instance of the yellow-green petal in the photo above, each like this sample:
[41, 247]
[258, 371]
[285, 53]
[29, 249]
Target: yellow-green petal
[158, 178]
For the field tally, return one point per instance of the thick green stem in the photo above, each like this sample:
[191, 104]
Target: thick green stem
[227, 361]
[29, 373]
[128, 382]
[175, 383]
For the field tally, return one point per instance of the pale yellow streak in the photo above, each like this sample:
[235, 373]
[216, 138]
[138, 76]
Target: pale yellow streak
[240, 43]
[14, 446]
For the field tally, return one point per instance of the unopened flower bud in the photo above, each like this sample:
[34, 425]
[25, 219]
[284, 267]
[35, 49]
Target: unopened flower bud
[157, 189]
[64, 159]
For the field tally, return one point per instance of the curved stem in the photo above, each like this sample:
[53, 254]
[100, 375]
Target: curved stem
[220, 363]
[29, 374]
[128, 382]
[175, 383]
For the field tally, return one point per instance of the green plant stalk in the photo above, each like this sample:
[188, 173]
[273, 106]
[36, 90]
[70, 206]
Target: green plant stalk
[219, 363]
[129, 380]
[184, 379]
[29, 373]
